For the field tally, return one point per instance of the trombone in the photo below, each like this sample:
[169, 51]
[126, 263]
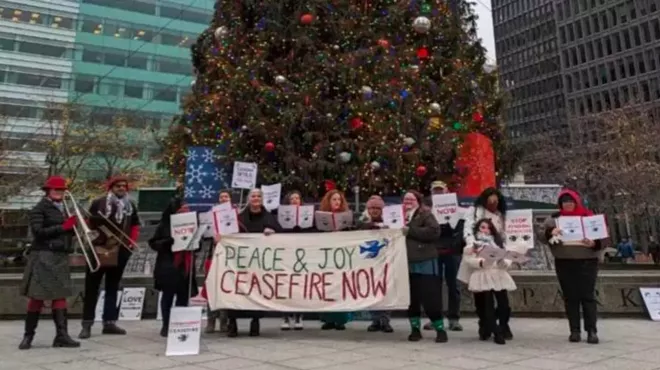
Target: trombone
[118, 234]
[84, 234]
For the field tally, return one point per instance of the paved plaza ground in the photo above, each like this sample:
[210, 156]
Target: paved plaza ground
[539, 344]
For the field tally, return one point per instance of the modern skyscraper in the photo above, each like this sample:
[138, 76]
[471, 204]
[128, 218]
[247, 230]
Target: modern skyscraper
[105, 55]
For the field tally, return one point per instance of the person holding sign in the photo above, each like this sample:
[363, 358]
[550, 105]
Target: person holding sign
[335, 202]
[491, 205]
[173, 271]
[295, 321]
[489, 280]
[576, 266]
[47, 275]
[217, 315]
[372, 219]
[422, 232]
[254, 219]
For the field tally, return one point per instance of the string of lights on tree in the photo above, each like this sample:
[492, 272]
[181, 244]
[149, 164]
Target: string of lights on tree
[343, 93]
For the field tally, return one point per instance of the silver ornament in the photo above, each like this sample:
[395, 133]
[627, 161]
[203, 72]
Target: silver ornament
[409, 141]
[366, 90]
[344, 157]
[221, 32]
[280, 79]
[422, 24]
[435, 107]
[375, 165]
[193, 83]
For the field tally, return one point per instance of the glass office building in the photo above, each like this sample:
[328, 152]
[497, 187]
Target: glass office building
[107, 55]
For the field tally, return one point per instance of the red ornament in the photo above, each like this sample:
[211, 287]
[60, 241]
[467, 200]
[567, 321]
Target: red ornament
[269, 147]
[477, 117]
[306, 19]
[420, 170]
[422, 53]
[356, 123]
[384, 44]
[329, 185]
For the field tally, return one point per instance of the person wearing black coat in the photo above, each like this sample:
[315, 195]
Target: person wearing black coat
[253, 219]
[47, 275]
[450, 253]
[173, 271]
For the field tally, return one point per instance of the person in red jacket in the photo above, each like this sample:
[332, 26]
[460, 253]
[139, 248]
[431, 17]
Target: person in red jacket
[115, 207]
[47, 275]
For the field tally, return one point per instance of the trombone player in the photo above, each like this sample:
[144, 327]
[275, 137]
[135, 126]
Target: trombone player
[116, 219]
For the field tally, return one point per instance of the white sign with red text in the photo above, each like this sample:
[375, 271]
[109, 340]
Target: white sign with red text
[519, 229]
[349, 271]
[445, 208]
[183, 227]
[185, 331]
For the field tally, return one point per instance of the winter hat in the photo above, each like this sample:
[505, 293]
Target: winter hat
[55, 182]
[376, 201]
[438, 184]
[115, 180]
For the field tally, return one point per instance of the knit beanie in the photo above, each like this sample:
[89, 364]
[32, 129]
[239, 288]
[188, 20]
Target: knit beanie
[375, 202]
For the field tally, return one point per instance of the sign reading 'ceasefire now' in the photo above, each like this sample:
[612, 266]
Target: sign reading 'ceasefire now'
[343, 271]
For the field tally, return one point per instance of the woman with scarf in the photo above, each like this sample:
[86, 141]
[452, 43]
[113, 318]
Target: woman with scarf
[335, 202]
[47, 276]
[422, 232]
[489, 205]
[576, 266]
[255, 218]
[372, 219]
[173, 271]
[294, 321]
[217, 315]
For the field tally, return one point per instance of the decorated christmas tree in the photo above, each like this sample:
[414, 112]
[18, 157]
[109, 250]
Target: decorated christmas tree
[372, 93]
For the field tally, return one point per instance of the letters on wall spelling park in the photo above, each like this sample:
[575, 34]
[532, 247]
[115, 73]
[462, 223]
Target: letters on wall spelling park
[344, 271]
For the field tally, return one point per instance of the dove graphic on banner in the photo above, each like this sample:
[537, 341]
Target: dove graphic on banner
[204, 179]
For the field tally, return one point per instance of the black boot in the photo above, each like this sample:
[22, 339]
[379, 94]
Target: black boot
[62, 338]
[328, 326]
[386, 327]
[484, 334]
[506, 332]
[31, 321]
[415, 335]
[86, 330]
[441, 336]
[592, 337]
[575, 337]
[164, 330]
[109, 327]
[232, 328]
[254, 328]
[375, 326]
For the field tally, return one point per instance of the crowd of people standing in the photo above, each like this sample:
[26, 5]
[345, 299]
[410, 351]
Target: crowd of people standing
[438, 255]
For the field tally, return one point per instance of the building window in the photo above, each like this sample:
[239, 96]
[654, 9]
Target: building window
[187, 15]
[6, 44]
[18, 111]
[84, 84]
[134, 90]
[92, 56]
[137, 61]
[173, 66]
[118, 60]
[42, 49]
[28, 79]
[165, 93]
[128, 5]
[57, 21]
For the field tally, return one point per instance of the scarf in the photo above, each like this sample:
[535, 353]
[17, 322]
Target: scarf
[483, 240]
[123, 207]
[579, 210]
[410, 214]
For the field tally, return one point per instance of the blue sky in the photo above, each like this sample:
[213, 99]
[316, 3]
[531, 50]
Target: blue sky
[485, 27]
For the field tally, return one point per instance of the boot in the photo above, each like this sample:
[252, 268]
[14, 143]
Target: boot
[328, 326]
[441, 336]
[31, 321]
[62, 338]
[454, 325]
[498, 337]
[164, 330]
[385, 326]
[592, 337]
[506, 332]
[575, 337]
[223, 322]
[415, 335]
[254, 328]
[232, 328]
[86, 330]
[375, 326]
[210, 324]
[109, 327]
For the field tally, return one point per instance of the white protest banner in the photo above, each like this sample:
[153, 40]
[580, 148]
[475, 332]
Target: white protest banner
[348, 271]
[244, 176]
[571, 228]
[595, 227]
[519, 229]
[651, 297]
[132, 302]
[393, 217]
[185, 331]
[271, 196]
[445, 208]
[182, 227]
[100, 304]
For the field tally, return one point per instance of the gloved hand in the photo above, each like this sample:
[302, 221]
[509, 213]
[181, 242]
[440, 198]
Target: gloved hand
[69, 223]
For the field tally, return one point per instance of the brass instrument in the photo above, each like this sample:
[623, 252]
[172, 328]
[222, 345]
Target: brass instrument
[84, 234]
[118, 234]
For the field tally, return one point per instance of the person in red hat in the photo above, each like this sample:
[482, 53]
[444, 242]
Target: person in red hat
[47, 276]
[115, 207]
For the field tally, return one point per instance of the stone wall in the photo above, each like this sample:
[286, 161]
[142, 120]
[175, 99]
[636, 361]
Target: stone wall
[538, 293]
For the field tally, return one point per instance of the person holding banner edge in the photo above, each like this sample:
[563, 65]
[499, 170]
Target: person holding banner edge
[449, 258]
[372, 219]
[255, 218]
[334, 201]
[422, 232]
[173, 270]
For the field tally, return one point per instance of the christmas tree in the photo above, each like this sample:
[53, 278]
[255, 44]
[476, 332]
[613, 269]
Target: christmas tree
[373, 93]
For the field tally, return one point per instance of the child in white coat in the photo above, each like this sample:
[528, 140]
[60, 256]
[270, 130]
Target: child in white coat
[489, 281]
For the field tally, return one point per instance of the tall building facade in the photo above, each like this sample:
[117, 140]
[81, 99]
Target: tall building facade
[104, 55]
